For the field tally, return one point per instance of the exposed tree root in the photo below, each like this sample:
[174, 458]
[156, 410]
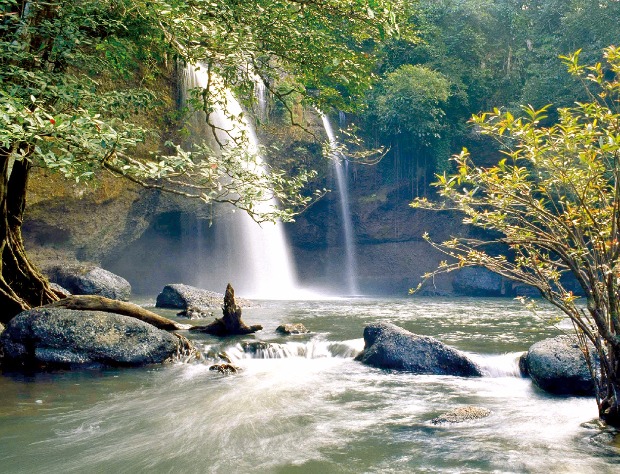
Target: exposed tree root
[99, 303]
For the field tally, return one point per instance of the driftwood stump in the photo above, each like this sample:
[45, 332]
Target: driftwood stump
[231, 324]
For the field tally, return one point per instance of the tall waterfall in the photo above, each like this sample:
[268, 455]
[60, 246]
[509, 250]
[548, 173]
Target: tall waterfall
[350, 264]
[260, 92]
[254, 258]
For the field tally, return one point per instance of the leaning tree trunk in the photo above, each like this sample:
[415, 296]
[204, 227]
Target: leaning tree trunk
[22, 286]
[609, 389]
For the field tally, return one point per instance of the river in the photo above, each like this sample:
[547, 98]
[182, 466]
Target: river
[306, 406]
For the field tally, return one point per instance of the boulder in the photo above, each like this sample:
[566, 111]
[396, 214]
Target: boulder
[88, 279]
[59, 290]
[462, 414]
[180, 296]
[476, 281]
[43, 337]
[390, 347]
[288, 329]
[225, 369]
[255, 347]
[558, 366]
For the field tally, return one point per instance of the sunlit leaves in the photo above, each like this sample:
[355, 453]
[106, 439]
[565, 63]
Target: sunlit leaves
[82, 83]
[554, 200]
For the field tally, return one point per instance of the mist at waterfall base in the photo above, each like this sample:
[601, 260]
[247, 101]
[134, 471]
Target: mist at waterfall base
[304, 405]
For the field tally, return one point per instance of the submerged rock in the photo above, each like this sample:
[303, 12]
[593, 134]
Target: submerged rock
[461, 414]
[558, 366]
[225, 369]
[194, 313]
[255, 347]
[388, 346]
[180, 296]
[62, 337]
[288, 329]
[88, 279]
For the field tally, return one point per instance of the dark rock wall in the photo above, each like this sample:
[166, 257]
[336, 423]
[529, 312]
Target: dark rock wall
[150, 239]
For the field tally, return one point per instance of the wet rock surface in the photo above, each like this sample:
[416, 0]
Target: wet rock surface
[225, 369]
[62, 292]
[462, 414]
[294, 328]
[180, 296]
[473, 281]
[557, 365]
[194, 313]
[61, 337]
[388, 346]
[87, 279]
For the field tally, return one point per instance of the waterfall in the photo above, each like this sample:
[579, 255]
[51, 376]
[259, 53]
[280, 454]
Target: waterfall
[260, 92]
[342, 119]
[254, 258]
[350, 264]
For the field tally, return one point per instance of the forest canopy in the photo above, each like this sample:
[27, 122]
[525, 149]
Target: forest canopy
[82, 81]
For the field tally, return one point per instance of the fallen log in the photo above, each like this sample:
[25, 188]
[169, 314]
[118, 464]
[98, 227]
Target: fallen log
[231, 324]
[99, 303]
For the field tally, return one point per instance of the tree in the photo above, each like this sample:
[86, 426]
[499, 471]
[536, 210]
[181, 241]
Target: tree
[78, 78]
[554, 201]
[408, 105]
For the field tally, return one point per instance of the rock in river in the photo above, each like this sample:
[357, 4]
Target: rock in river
[475, 281]
[292, 328]
[180, 296]
[88, 279]
[61, 337]
[558, 366]
[462, 414]
[390, 347]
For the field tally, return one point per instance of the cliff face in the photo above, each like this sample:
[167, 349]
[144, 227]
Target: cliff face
[68, 221]
[391, 253]
[154, 239]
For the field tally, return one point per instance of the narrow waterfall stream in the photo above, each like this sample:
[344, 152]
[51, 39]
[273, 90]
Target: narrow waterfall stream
[350, 264]
[256, 259]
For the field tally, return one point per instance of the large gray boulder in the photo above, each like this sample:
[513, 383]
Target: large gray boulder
[390, 347]
[476, 281]
[180, 296]
[62, 337]
[558, 366]
[88, 279]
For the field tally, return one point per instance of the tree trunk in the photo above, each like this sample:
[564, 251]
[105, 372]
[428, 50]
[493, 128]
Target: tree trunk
[99, 303]
[231, 324]
[609, 390]
[22, 286]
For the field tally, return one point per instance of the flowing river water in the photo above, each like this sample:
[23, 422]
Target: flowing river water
[305, 406]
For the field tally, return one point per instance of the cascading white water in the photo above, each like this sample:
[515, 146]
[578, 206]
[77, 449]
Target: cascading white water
[260, 91]
[350, 264]
[255, 259]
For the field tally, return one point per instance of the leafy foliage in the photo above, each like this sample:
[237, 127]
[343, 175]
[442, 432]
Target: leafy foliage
[78, 77]
[554, 201]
